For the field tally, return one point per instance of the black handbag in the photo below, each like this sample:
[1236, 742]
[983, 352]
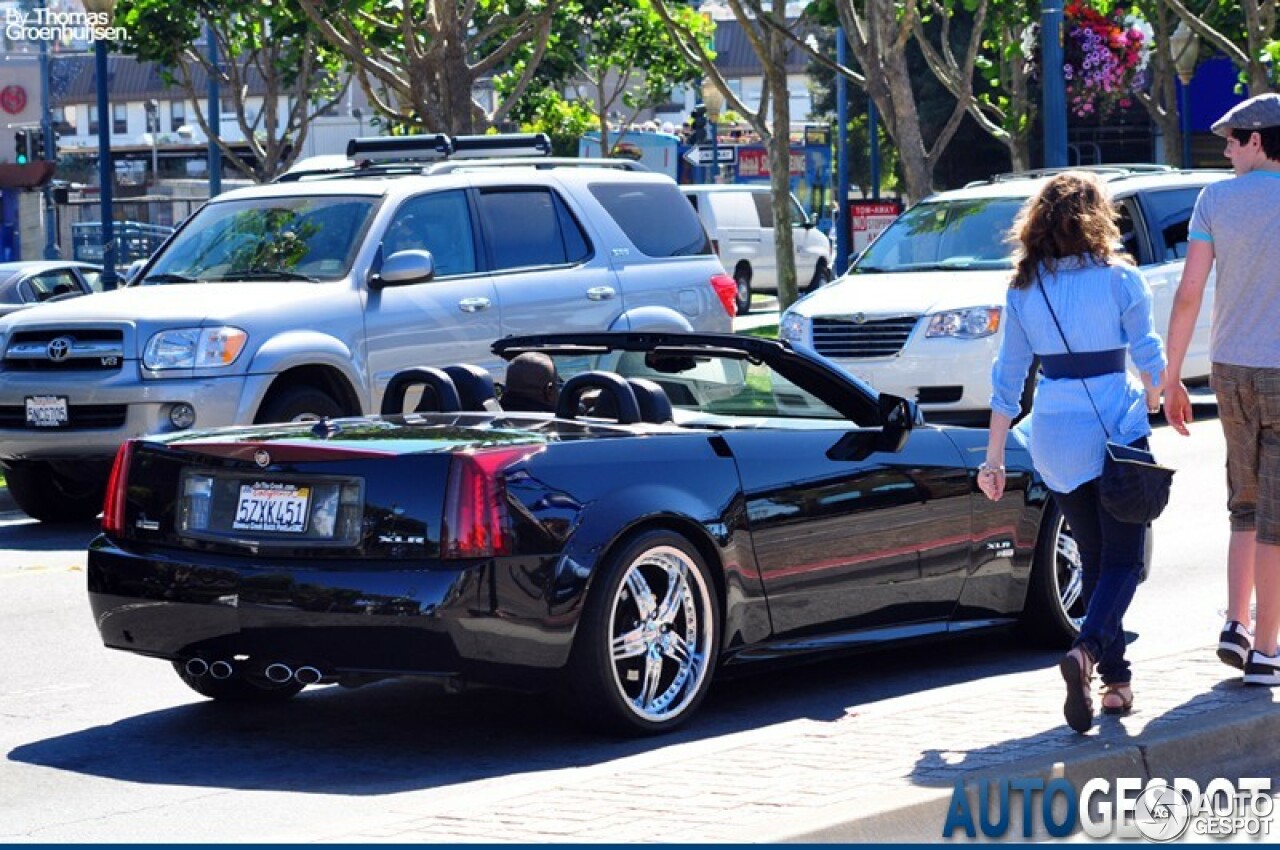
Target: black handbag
[1134, 487]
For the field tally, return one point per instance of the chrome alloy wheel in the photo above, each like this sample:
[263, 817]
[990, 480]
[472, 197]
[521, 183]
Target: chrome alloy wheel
[1068, 574]
[661, 630]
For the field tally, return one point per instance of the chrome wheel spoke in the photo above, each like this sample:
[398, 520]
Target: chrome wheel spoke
[652, 680]
[641, 594]
[628, 645]
[677, 593]
[677, 649]
[1071, 593]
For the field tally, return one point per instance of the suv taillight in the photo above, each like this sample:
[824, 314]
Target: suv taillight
[117, 489]
[727, 290]
[476, 521]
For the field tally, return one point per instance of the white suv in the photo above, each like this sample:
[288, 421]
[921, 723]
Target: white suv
[302, 299]
[919, 314]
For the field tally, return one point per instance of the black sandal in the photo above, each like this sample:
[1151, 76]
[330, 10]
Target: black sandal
[1076, 668]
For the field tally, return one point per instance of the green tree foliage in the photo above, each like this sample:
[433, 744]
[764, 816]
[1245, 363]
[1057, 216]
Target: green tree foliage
[266, 42]
[1246, 31]
[617, 56]
[420, 61]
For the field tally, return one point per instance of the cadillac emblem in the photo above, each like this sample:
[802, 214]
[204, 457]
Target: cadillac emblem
[261, 458]
[859, 318]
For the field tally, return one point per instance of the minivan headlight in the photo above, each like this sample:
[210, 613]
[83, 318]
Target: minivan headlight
[794, 328]
[194, 348]
[970, 323]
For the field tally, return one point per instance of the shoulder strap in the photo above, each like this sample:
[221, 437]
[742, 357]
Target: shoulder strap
[1058, 325]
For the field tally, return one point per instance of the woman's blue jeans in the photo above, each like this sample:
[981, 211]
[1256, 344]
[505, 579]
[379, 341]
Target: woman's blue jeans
[1111, 554]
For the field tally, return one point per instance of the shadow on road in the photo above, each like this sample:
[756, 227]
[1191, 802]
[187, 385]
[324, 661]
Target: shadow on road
[402, 736]
[19, 533]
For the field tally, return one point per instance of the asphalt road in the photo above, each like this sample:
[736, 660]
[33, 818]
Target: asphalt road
[101, 746]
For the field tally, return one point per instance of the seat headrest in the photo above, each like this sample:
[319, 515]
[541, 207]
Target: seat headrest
[439, 395]
[617, 400]
[654, 404]
[475, 387]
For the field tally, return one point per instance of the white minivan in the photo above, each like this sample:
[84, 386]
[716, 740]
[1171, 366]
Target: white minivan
[739, 220]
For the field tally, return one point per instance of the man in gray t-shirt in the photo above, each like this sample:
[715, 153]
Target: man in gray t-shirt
[1235, 226]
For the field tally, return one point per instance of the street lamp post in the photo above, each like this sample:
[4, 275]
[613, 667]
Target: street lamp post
[1186, 50]
[153, 130]
[50, 152]
[106, 169]
[713, 100]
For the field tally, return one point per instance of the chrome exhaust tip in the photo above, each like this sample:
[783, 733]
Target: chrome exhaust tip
[196, 667]
[221, 669]
[278, 673]
[307, 675]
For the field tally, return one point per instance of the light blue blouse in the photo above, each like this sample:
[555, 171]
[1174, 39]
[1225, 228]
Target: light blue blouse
[1100, 307]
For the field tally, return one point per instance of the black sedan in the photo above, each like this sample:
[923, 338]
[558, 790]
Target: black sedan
[29, 282]
[695, 504]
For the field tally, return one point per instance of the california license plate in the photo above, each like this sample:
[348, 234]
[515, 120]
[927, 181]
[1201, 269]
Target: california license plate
[46, 411]
[266, 506]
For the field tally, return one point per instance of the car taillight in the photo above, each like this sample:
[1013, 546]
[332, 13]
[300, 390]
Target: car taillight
[727, 290]
[476, 521]
[117, 489]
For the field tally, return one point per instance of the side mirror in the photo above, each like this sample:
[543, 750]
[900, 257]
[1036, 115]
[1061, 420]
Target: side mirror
[131, 273]
[404, 267]
[898, 413]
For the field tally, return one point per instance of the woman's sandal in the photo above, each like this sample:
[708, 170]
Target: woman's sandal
[1076, 668]
[1117, 698]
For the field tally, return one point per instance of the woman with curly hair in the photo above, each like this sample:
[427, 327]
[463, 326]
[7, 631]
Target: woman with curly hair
[1080, 306]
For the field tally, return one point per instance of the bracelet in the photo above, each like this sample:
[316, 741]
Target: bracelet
[986, 467]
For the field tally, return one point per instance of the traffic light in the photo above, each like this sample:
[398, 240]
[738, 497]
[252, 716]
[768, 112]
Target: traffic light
[35, 144]
[700, 135]
[20, 140]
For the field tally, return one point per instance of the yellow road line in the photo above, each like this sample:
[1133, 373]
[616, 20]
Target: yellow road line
[28, 571]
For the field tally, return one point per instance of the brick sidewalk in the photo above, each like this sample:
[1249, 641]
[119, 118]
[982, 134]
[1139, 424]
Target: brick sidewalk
[884, 773]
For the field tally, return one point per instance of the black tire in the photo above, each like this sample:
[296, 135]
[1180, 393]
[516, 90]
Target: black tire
[236, 688]
[821, 277]
[615, 693]
[742, 278]
[298, 403]
[1055, 595]
[50, 496]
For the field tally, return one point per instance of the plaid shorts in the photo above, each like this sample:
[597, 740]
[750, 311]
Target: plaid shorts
[1249, 408]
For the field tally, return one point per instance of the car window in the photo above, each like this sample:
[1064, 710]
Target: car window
[655, 217]
[547, 235]
[92, 278]
[283, 238]
[46, 285]
[764, 207]
[1170, 214]
[439, 222]
[946, 234]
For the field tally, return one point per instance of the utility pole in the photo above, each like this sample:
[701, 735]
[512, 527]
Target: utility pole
[50, 152]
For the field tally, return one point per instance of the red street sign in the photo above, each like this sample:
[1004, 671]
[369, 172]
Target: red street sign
[13, 99]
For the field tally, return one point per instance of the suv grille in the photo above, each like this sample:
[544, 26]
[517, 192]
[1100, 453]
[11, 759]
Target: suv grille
[78, 350]
[843, 337]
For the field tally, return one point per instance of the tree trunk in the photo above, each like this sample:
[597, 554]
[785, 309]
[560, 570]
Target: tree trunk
[780, 161]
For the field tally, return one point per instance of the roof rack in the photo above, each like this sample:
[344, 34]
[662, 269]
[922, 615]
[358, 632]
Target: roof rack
[386, 155]
[547, 162]
[1102, 168]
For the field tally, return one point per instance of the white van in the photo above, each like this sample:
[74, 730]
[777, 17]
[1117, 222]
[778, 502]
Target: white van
[739, 220]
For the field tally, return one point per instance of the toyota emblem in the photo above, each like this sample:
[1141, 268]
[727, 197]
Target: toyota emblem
[859, 318]
[261, 458]
[60, 349]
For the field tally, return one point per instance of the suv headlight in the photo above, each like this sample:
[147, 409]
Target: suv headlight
[794, 328]
[194, 348]
[970, 323]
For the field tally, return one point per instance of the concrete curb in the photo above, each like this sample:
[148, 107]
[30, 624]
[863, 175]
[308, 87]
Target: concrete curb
[1220, 744]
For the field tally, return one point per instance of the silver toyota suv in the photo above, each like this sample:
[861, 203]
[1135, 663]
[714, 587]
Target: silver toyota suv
[300, 299]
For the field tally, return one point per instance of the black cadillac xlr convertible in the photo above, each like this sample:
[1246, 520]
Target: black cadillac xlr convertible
[696, 503]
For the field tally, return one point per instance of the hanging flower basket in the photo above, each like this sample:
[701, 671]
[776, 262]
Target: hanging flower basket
[1106, 58]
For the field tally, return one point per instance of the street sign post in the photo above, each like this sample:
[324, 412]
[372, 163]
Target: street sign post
[702, 155]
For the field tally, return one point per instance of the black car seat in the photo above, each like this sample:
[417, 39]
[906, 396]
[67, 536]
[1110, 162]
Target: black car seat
[616, 400]
[654, 405]
[475, 387]
[439, 395]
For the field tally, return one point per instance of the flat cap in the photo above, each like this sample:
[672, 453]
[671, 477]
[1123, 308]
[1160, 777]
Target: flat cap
[1253, 114]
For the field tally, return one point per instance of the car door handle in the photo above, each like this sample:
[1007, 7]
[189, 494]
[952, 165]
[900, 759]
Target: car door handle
[601, 293]
[474, 305]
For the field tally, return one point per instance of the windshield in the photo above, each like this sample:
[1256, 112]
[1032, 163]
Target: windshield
[266, 239]
[945, 235]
